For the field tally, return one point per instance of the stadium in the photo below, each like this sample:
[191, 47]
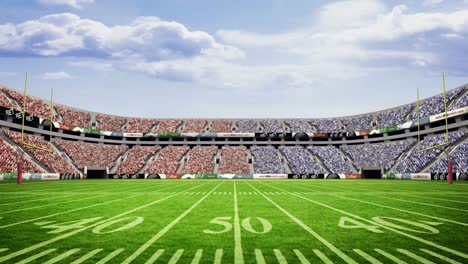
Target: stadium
[82, 183]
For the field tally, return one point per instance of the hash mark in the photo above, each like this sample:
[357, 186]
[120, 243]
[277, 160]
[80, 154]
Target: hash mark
[218, 256]
[155, 256]
[110, 256]
[176, 257]
[280, 257]
[367, 256]
[32, 258]
[259, 257]
[322, 256]
[415, 257]
[197, 257]
[63, 256]
[301, 257]
[442, 257]
[390, 256]
[87, 256]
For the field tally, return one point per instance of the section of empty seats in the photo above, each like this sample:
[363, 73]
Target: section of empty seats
[9, 157]
[459, 158]
[140, 125]
[136, 159]
[377, 154]
[221, 126]
[299, 126]
[74, 117]
[5, 102]
[167, 161]
[110, 123]
[168, 126]
[327, 125]
[415, 161]
[393, 117]
[267, 160]
[300, 161]
[90, 154]
[332, 159]
[194, 126]
[357, 123]
[34, 106]
[234, 160]
[201, 160]
[53, 161]
[272, 126]
[247, 126]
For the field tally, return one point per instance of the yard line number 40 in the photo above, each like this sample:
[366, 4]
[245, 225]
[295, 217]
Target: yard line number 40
[423, 227]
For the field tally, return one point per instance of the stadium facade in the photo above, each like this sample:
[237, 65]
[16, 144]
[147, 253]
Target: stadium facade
[381, 144]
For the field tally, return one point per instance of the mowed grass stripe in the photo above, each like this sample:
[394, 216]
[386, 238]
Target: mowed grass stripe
[72, 233]
[427, 242]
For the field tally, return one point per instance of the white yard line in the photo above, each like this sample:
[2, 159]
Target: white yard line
[176, 257]
[390, 256]
[301, 257]
[238, 253]
[62, 256]
[155, 256]
[218, 256]
[110, 256]
[197, 257]
[442, 257]
[415, 257]
[367, 256]
[87, 256]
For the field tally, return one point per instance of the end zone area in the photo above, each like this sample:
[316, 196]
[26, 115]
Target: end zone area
[233, 221]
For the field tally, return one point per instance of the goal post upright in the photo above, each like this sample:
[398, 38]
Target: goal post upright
[447, 142]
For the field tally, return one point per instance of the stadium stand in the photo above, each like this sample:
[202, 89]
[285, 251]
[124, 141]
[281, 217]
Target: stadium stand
[267, 160]
[201, 160]
[89, 154]
[377, 154]
[327, 125]
[194, 126]
[463, 102]
[300, 161]
[35, 106]
[332, 159]
[234, 160]
[459, 160]
[5, 102]
[73, 116]
[168, 126]
[394, 116]
[167, 161]
[54, 161]
[299, 126]
[110, 123]
[435, 104]
[139, 125]
[9, 160]
[272, 126]
[221, 126]
[136, 159]
[247, 126]
[358, 123]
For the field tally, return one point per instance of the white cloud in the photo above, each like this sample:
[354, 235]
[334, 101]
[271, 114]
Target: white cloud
[7, 73]
[77, 4]
[431, 3]
[55, 76]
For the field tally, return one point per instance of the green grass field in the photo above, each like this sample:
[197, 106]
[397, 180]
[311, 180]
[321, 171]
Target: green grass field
[234, 221]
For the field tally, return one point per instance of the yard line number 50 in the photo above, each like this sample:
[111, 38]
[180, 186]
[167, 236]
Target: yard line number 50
[225, 223]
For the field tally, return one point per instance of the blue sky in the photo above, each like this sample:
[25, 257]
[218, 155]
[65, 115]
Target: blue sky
[230, 59]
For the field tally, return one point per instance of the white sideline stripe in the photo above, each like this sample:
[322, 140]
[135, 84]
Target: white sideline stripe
[63, 256]
[155, 256]
[87, 256]
[197, 257]
[238, 253]
[166, 229]
[218, 256]
[55, 239]
[28, 201]
[39, 255]
[176, 257]
[455, 252]
[337, 251]
[301, 257]
[442, 257]
[110, 256]
[322, 256]
[259, 257]
[390, 256]
[367, 256]
[279, 256]
[414, 256]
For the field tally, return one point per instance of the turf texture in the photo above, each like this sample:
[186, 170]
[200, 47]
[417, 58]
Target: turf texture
[234, 221]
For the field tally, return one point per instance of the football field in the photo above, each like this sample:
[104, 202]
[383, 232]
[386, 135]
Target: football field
[234, 221]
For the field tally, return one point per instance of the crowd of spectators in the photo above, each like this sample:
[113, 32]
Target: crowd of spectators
[267, 160]
[234, 160]
[394, 116]
[73, 116]
[300, 161]
[272, 126]
[90, 154]
[327, 125]
[136, 159]
[168, 126]
[459, 160]
[110, 123]
[435, 105]
[201, 160]
[9, 160]
[167, 161]
[416, 161]
[463, 102]
[247, 126]
[194, 126]
[139, 125]
[4, 102]
[377, 154]
[299, 126]
[53, 161]
[34, 106]
[358, 123]
[221, 126]
[332, 159]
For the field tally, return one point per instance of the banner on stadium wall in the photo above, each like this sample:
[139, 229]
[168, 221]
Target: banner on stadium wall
[133, 134]
[456, 112]
[68, 176]
[388, 129]
[363, 133]
[273, 135]
[126, 176]
[19, 115]
[65, 126]
[8, 176]
[270, 176]
[91, 131]
[421, 176]
[306, 176]
[319, 134]
[169, 134]
[405, 125]
[227, 135]
[391, 176]
[235, 176]
[352, 176]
